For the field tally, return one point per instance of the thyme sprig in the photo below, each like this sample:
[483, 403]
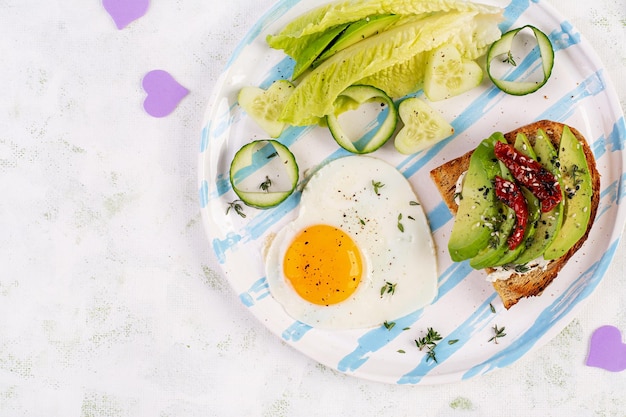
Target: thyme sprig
[388, 288]
[400, 225]
[509, 59]
[377, 186]
[265, 185]
[236, 207]
[429, 342]
[498, 333]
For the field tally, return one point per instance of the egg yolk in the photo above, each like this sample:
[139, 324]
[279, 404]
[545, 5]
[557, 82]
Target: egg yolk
[323, 265]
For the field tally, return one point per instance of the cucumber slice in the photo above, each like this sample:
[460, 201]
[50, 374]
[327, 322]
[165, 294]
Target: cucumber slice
[263, 173]
[356, 133]
[423, 126]
[502, 48]
[448, 74]
[265, 106]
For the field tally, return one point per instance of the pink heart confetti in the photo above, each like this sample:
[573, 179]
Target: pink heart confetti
[164, 93]
[124, 12]
[607, 350]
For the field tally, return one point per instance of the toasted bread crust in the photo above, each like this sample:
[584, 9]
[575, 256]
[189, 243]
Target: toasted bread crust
[533, 283]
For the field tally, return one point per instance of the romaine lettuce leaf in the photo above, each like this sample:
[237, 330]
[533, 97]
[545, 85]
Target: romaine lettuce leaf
[338, 13]
[315, 48]
[407, 77]
[313, 98]
[401, 79]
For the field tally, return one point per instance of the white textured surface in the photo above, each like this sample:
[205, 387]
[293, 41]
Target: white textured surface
[111, 303]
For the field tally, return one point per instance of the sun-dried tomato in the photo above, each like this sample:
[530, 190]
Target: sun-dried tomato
[531, 174]
[511, 194]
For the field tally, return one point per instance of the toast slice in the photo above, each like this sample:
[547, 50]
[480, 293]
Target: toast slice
[532, 283]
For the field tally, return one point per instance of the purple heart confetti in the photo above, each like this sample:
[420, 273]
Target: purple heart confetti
[124, 12]
[607, 351]
[164, 93]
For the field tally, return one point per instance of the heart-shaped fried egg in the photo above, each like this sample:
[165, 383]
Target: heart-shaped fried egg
[360, 251]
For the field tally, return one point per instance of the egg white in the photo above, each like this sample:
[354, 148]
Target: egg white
[341, 194]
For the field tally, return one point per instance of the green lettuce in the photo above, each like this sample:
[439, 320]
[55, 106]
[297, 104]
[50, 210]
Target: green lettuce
[401, 79]
[313, 98]
[339, 13]
[407, 77]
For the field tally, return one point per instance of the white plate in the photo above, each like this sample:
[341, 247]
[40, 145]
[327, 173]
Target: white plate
[578, 93]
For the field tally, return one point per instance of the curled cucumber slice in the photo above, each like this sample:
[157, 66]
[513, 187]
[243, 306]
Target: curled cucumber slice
[364, 118]
[501, 50]
[263, 173]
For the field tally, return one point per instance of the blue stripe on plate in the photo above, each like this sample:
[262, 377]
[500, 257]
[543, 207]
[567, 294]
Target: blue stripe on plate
[204, 138]
[617, 138]
[512, 12]
[565, 37]
[614, 193]
[379, 337]
[374, 340]
[220, 246]
[282, 70]
[296, 331]
[204, 194]
[476, 322]
[564, 107]
[257, 291]
[439, 216]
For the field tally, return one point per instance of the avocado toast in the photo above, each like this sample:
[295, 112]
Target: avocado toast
[551, 238]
